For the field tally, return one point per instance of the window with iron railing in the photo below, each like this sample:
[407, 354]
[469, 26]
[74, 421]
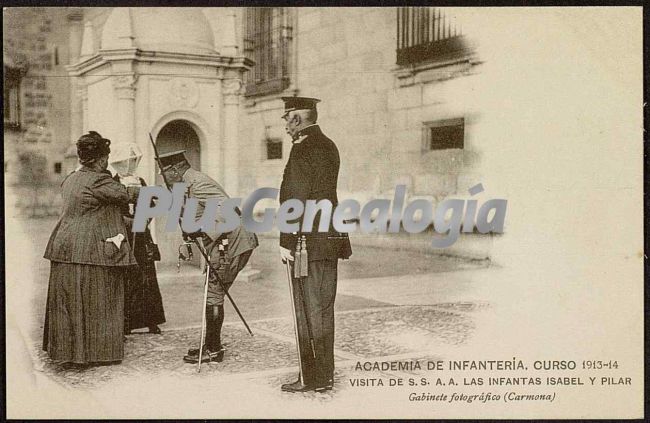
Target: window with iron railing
[268, 44]
[427, 34]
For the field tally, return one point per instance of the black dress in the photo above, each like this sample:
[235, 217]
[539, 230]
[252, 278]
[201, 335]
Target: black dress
[143, 306]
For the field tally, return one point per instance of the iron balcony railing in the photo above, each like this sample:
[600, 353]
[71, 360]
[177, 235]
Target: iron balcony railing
[425, 34]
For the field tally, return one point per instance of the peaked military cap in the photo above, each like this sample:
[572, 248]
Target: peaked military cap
[299, 103]
[168, 160]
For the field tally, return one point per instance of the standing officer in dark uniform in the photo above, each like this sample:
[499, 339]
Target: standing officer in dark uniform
[241, 245]
[311, 173]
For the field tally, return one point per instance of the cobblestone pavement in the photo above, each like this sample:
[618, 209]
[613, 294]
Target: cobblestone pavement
[413, 310]
[269, 358]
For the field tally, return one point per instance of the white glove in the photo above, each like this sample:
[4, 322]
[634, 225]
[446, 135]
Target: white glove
[285, 254]
[130, 181]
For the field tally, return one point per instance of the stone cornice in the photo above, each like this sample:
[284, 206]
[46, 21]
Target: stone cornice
[137, 55]
[85, 66]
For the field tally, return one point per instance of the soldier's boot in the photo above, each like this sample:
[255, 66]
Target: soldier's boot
[218, 324]
[298, 386]
[212, 347]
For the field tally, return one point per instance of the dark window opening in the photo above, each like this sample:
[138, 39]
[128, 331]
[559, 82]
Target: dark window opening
[425, 34]
[273, 148]
[444, 134]
[57, 167]
[11, 98]
[267, 43]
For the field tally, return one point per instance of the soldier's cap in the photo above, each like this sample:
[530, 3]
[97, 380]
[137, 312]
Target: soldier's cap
[174, 158]
[298, 103]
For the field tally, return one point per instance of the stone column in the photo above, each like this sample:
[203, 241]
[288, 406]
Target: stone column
[87, 42]
[82, 93]
[125, 88]
[229, 45]
[75, 22]
[231, 89]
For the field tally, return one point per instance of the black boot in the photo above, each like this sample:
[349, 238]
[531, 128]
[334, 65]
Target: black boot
[212, 347]
[218, 324]
[211, 329]
[206, 357]
[298, 386]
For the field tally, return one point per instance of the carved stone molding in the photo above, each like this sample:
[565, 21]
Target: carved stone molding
[125, 85]
[232, 86]
[183, 92]
[232, 89]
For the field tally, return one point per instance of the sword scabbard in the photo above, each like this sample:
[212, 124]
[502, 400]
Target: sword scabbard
[304, 259]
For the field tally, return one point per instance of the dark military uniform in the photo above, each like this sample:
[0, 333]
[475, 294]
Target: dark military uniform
[311, 173]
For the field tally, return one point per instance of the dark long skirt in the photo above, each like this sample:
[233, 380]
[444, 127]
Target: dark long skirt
[143, 302]
[84, 316]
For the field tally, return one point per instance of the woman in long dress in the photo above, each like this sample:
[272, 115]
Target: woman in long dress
[143, 306]
[90, 254]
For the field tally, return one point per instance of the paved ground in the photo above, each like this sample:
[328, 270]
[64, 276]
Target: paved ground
[267, 296]
[361, 335]
[391, 305]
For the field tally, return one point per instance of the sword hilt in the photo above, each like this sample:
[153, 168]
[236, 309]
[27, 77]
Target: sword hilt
[188, 256]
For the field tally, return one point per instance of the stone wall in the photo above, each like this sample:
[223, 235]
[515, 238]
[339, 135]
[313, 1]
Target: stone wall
[373, 109]
[37, 38]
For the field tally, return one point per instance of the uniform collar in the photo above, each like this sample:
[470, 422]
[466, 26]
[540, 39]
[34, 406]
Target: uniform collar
[305, 132]
[298, 140]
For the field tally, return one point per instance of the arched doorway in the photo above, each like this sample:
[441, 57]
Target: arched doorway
[175, 135]
[180, 135]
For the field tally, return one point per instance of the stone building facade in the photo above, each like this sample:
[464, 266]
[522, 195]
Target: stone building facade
[381, 115]
[36, 92]
[398, 91]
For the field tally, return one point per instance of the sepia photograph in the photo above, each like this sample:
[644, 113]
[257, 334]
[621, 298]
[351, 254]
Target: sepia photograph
[323, 212]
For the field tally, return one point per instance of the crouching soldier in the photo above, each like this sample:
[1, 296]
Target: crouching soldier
[241, 244]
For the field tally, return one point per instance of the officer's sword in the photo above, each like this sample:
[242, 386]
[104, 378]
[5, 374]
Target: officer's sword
[310, 332]
[204, 319]
[295, 320]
